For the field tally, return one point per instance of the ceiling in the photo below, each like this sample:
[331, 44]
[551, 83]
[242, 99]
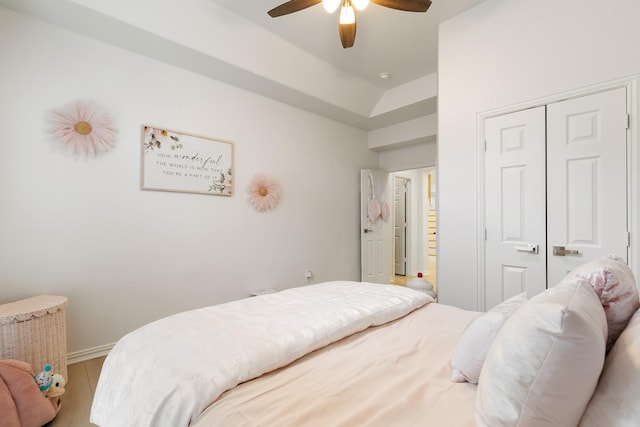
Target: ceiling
[296, 59]
[403, 44]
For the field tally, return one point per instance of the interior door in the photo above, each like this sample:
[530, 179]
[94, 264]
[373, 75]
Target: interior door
[515, 247]
[375, 231]
[400, 225]
[586, 181]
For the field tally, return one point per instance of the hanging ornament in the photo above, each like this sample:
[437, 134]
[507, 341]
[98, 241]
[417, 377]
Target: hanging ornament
[385, 211]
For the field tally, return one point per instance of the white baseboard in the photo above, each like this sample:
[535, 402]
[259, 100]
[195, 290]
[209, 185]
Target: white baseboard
[90, 353]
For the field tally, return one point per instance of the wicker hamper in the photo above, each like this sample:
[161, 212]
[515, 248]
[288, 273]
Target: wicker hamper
[34, 330]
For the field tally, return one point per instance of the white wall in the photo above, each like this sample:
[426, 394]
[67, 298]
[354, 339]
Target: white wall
[505, 52]
[83, 228]
[408, 157]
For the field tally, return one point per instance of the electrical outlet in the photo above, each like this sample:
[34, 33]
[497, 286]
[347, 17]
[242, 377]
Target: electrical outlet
[308, 276]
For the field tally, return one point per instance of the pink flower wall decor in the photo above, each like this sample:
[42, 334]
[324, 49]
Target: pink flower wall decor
[83, 128]
[263, 193]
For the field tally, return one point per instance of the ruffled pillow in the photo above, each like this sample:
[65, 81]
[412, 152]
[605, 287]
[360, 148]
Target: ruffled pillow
[615, 285]
[475, 341]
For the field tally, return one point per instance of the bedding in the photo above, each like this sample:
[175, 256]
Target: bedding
[350, 354]
[167, 372]
[396, 374]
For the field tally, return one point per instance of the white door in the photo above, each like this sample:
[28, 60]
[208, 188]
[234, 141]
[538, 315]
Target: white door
[515, 246]
[585, 192]
[375, 233]
[400, 225]
[587, 180]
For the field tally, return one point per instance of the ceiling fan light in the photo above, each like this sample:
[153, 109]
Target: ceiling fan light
[360, 4]
[347, 14]
[331, 5]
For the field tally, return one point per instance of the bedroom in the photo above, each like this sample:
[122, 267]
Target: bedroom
[97, 237]
[127, 251]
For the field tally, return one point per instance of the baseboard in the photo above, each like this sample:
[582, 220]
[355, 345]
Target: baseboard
[90, 353]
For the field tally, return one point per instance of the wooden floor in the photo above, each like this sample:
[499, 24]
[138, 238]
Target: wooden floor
[78, 394]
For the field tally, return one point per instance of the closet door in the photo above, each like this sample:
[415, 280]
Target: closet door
[586, 180]
[515, 247]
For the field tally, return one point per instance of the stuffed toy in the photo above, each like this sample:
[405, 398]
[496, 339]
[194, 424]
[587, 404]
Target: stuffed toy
[44, 379]
[58, 381]
[50, 384]
[57, 387]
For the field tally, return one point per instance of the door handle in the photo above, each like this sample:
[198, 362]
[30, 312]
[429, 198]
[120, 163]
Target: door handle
[532, 249]
[368, 230]
[561, 251]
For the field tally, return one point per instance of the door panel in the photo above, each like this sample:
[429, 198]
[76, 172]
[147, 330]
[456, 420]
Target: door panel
[400, 225]
[375, 234]
[587, 180]
[515, 246]
[513, 280]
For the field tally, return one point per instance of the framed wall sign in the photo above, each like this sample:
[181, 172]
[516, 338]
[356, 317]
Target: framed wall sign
[176, 161]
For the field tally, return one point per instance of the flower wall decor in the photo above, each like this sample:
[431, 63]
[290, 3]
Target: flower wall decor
[263, 193]
[84, 128]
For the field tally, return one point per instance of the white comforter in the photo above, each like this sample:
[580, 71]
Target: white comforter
[167, 372]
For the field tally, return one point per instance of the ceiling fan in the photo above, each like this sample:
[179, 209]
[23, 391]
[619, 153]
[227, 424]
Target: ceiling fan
[347, 20]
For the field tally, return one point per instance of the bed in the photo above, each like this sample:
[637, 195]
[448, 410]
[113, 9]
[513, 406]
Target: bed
[361, 354]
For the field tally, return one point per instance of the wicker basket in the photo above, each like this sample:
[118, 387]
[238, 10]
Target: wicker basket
[34, 330]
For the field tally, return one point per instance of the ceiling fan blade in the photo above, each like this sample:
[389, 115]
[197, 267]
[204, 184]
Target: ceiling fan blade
[292, 6]
[347, 34]
[406, 5]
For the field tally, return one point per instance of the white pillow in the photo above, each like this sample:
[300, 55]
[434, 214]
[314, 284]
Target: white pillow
[476, 339]
[616, 287]
[615, 401]
[544, 363]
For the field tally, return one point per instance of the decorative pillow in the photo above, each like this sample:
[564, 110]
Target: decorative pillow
[475, 341]
[615, 401]
[544, 363]
[21, 401]
[616, 287]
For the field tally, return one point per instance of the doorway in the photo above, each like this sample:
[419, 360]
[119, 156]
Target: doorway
[414, 225]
